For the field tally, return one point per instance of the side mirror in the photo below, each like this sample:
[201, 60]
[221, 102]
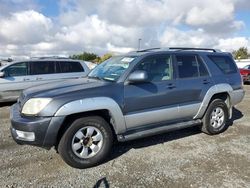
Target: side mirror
[1, 74]
[138, 77]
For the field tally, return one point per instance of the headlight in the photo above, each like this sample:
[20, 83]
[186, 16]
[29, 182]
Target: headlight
[35, 105]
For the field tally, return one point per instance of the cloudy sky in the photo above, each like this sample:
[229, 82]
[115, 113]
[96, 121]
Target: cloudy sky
[65, 27]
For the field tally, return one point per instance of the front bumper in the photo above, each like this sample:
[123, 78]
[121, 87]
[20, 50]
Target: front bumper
[37, 131]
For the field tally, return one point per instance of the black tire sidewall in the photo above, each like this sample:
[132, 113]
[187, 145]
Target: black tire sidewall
[208, 127]
[65, 145]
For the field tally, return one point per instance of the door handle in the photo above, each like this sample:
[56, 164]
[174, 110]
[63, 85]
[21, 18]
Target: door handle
[206, 81]
[171, 86]
[26, 79]
[38, 78]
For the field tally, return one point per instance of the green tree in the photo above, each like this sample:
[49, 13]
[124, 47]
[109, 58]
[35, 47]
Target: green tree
[85, 56]
[241, 53]
[105, 57]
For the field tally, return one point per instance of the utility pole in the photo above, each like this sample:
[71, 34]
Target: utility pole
[139, 43]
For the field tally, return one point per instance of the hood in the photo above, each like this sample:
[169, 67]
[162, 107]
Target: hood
[63, 87]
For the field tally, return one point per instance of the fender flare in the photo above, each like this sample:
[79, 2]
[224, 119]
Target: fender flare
[218, 88]
[97, 103]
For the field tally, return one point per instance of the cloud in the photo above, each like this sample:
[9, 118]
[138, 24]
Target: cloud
[9, 6]
[94, 32]
[195, 38]
[116, 26]
[233, 43]
[24, 27]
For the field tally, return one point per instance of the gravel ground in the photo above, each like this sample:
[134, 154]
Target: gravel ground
[186, 158]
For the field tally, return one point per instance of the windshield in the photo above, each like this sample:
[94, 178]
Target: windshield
[111, 69]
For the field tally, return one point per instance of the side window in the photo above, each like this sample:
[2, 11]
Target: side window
[158, 68]
[18, 69]
[187, 66]
[67, 67]
[202, 68]
[225, 64]
[43, 67]
[190, 66]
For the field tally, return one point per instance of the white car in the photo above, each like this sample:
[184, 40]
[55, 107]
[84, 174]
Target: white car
[21, 75]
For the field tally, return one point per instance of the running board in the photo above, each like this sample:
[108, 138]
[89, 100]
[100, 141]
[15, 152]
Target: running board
[153, 130]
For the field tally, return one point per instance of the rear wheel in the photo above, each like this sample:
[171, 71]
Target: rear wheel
[86, 143]
[216, 118]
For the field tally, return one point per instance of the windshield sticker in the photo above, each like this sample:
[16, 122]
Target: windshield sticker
[127, 59]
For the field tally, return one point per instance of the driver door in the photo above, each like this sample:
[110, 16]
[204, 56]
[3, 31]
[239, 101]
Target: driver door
[153, 101]
[16, 79]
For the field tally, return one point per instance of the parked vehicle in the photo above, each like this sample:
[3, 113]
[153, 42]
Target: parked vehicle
[128, 97]
[245, 73]
[242, 62]
[21, 75]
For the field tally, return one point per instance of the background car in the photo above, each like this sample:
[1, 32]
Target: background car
[21, 75]
[245, 73]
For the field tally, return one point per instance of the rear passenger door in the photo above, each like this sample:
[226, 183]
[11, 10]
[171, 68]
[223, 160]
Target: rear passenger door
[193, 81]
[43, 72]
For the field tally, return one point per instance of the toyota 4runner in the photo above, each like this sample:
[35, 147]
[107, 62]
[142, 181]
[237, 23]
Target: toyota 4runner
[127, 97]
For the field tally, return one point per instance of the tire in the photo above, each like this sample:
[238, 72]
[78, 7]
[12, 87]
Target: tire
[215, 120]
[86, 143]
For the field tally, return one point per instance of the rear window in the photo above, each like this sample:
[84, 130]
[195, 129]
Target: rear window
[67, 67]
[225, 64]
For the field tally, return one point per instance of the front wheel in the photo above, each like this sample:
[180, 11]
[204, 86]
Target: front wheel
[86, 143]
[216, 118]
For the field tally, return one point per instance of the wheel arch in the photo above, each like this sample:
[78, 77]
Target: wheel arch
[219, 91]
[104, 107]
[104, 113]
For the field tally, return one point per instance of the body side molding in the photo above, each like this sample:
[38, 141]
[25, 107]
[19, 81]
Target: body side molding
[97, 103]
[161, 115]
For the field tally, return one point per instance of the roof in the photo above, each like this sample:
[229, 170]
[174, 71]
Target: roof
[174, 49]
[43, 59]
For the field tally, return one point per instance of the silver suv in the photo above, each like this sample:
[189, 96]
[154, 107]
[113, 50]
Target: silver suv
[21, 75]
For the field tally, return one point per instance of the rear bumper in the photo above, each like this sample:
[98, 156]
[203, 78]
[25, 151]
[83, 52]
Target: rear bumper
[37, 131]
[237, 96]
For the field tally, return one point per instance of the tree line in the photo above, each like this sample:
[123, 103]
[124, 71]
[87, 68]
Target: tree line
[241, 53]
[92, 57]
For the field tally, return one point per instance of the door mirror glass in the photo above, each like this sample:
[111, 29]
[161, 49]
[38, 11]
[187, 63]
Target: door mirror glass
[138, 77]
[1, 74]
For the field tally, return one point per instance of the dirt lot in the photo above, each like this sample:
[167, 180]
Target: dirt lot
[185, 158]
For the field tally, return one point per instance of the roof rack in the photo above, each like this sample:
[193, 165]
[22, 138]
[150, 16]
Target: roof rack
[149, 49]
[201, 49]
[50, 57]
[180, 49]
